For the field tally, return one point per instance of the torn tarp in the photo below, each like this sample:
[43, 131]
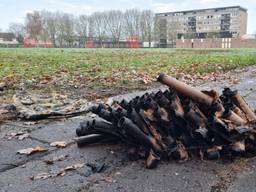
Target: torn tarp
[29, 106]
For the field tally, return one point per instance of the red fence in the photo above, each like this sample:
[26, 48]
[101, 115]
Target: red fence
[31, 43]
[133, 42]
[89, 44]
[130, 42]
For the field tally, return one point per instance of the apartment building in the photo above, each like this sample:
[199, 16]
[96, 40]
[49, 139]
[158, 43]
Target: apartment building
[8, 38]
[222, 22]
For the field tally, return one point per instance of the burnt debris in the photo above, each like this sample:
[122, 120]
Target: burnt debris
[177, 123]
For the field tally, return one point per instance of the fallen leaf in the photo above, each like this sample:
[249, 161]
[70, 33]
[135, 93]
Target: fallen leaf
[61, 144]
[144, 81]
[118, 173]
[41, 176]
[30, 151]
[93, 115]
[74, 167]
[46, 80]
[108, 179]
[58, 158]
[21, 137]
[61, 172]
[49, 162]
[30, 123]
[14, 134]
[235, 81]
[3, 111]
[2, 84]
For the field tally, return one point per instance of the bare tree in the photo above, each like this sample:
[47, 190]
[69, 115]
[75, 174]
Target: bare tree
[34, 24]
[132, 22]
[59, 30]
[172, 30]
[114, 24]
[65, 29]
[160, 32]
[19, 31]
[98, 26]
[147, 26]
[82, 28]
[69, 27]
[50, 26]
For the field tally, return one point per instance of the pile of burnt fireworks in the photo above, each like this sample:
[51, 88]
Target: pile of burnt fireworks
[175, 123]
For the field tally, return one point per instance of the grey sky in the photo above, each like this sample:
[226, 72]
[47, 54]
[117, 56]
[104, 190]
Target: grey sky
[15, 10]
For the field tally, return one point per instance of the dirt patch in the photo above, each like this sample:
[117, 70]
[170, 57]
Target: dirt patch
[229, 175]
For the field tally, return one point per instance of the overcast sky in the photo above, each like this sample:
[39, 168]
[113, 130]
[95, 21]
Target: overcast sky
[15, 10]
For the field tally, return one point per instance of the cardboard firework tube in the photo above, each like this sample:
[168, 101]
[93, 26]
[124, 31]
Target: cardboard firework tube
[138, 134]
[152, 160]
[185, 89]
[240, 102]
[237, 120]
[195, 95]
[93, 138]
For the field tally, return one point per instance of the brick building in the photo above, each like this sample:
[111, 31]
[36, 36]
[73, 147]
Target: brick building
[223, 22]
[8, 39]
[216, 43]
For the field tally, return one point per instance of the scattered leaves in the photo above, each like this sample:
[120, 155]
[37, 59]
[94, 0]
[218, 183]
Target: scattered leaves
[30, 151]
[45, 80]
[74, 167]
[30, 123]
[60, 144]
[61, 172]
[41, 176]
[23, 136]
[18, 135]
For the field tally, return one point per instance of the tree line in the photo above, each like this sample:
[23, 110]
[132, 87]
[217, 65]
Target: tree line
[63, 29]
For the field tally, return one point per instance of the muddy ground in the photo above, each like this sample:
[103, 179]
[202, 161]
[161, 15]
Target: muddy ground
[114, 172]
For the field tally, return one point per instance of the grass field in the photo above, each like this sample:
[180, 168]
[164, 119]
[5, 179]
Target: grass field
[113, 67]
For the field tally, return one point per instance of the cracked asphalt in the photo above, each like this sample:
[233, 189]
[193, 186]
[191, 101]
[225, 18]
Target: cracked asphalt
[118, 173]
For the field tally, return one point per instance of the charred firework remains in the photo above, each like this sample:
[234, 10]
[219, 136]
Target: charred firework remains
[176, 123]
